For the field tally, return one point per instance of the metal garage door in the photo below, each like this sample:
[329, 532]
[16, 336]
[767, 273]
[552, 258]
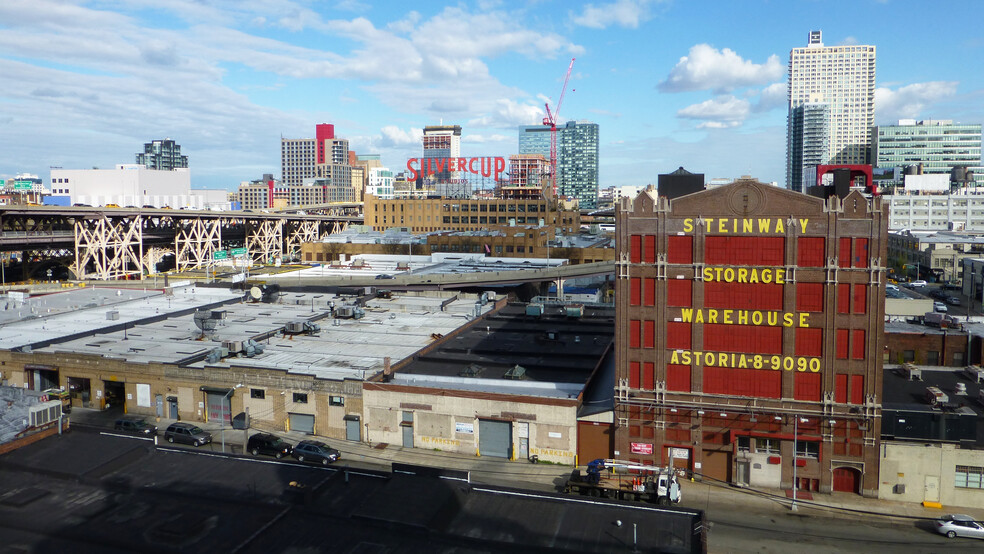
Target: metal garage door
[303, 423]
[846, 479]
[494, 438]
[218, 407]
[716, 465]
[594, 440]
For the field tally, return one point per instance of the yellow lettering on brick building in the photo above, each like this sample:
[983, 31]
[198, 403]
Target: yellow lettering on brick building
[745, 361]
[745, 317]
[743, 226]
[751, 275]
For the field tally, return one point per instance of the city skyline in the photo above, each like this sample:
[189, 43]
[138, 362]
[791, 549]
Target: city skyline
[667, 85]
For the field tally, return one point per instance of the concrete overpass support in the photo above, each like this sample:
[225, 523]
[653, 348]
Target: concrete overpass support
[113, 247]
[265, 239]
[195, 242]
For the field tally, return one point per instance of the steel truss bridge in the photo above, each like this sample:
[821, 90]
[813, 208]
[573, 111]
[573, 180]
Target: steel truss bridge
[115, 243]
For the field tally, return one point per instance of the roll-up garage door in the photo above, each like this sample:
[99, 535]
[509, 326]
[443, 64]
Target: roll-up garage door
[303, 423]
[218, 407]
[494, 438]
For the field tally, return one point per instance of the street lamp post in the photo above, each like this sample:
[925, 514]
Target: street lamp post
[222, 415]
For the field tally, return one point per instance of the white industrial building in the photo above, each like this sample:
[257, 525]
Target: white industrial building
[126, 185]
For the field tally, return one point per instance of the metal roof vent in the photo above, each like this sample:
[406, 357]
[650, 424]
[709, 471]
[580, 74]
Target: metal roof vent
[516, 372]
[471, 370]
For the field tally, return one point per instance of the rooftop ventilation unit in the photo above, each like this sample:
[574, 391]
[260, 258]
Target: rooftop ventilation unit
[113, 315]
[975, 373]
[936, 397]
[960, 389]
[534, 310]
[216, 354]
[911, 372]
[575, 312]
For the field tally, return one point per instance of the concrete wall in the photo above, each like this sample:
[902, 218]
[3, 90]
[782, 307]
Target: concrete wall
[552, 429]
[928, 472]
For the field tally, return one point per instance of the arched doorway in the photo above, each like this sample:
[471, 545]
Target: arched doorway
[847, 479]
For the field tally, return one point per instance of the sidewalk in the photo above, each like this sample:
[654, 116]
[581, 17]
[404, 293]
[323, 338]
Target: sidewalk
[707, 496]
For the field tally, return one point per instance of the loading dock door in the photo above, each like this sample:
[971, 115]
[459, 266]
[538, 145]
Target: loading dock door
[218, 407]
[494, 438]
[303, 423]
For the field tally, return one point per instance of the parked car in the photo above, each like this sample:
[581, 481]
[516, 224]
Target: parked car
[890, 286]
[187, 433]
[953, 301]
[939, 307]
[135, 426]
[956, 525]
[917, 283]
[939, 295]
[271, 445]
[315, 452]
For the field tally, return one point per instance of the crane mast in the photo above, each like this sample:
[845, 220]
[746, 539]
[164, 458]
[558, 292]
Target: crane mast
[551, 120]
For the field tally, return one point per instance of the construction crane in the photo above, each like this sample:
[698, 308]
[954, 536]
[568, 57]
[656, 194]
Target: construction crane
[551, 121]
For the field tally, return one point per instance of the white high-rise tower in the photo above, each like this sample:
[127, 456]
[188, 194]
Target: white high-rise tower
[843, 79]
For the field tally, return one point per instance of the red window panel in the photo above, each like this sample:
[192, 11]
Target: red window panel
[860, 299]
[649, 292]
[857, 389]
[742, 338]
[860, 252]
[844, 255]
[648, 333]
[678, 377]
[742, 296]
[810, 251]
[635, 249]
[857, 344]
[635, 291]
[678, 335]
[762, 383]
[806, 386]
[634, 375]
[809, 341]
[648, 376]
[840, 388]
[842, 344]
[844, 298]
[649, 249]
[634, 328]
[809, 297]
[726, 250]
[679, 249]
[679, 293]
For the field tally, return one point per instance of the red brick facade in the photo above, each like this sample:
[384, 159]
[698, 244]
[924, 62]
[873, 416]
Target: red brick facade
[746, 312]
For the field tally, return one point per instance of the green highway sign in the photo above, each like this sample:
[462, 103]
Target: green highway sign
[220, 255]
[23, 185]
[238, 251]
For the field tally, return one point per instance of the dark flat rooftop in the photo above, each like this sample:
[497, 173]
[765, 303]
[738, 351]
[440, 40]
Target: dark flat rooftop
[899, 393]
[552, 348]
[88, 492]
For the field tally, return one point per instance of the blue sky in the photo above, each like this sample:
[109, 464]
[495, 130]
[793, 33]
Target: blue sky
[674, 82]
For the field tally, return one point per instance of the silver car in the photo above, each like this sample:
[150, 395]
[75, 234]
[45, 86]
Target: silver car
[956, 525]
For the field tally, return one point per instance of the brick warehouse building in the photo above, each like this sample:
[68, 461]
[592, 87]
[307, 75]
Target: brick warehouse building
[746, 313]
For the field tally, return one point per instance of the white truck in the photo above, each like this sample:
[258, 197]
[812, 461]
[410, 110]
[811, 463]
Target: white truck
[626, 481]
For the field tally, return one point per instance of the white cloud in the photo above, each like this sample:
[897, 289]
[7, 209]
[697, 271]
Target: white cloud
[507, 113]
[624, 13]
[394, 136]
[483, 139]
[718, 113]
[911, 100]
[707, 68]
[771, 97]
